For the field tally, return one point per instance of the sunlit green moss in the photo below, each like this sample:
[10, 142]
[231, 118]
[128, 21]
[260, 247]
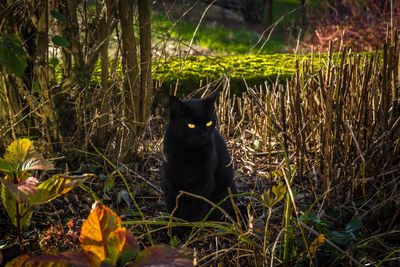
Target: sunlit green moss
[254, 69]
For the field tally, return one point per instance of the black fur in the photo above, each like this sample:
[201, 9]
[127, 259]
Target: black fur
[195, 160]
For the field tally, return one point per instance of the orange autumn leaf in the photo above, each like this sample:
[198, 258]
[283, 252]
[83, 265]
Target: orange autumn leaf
[319, 241]
[103, 235]
[313, 250]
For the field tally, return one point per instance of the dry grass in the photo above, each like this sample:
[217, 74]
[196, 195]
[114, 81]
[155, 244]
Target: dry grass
[333, 137]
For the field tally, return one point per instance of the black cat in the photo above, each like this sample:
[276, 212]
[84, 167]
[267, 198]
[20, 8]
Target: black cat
[196, 160]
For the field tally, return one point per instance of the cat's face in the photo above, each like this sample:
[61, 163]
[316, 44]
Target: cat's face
[192, 121]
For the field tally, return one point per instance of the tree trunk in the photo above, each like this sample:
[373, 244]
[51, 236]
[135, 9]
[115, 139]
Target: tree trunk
[71, 32]
[268, 12]
[9, 110]
[303, 11]
[81, 57]
[104, 35]
[50, 123]
[252, 10]
[146, 87]
[131, 87]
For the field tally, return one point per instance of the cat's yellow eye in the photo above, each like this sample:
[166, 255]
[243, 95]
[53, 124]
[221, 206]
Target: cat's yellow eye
[208, 124]
[191, 125]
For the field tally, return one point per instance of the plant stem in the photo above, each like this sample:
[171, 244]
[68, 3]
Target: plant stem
[18, 220]
[287, 215]
[265, 247]
[286, 237]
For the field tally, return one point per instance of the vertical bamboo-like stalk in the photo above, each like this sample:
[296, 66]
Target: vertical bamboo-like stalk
[268, 11]
[384, 101]
[327, 93]
[146, 88]
[297, 112]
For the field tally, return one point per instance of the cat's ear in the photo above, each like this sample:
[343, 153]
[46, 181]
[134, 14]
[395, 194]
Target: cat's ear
[176, 106]
[210, 100]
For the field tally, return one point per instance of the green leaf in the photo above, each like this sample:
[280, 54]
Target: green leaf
[130, 249]
[36, 164]
[160, 255]
[54, 187]
[54, 61]
[341, 238]
[10, 204]
[57, 15]
[23, 190]
[12, 56]
[354, 225]
[115, 244]
[60, 41]
[6, 167]
[279, 191]
[28, 186]
[175, 241]
[17, 151]
[109, 183]
[266, 199]
[319, 224]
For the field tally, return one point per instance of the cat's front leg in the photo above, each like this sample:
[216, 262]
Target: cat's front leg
[191, 208]
[187, 208]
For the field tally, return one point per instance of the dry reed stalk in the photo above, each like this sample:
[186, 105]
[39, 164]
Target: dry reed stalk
[343, 119]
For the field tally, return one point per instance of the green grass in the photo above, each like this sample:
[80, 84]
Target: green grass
[225, 40]
[219, 39]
